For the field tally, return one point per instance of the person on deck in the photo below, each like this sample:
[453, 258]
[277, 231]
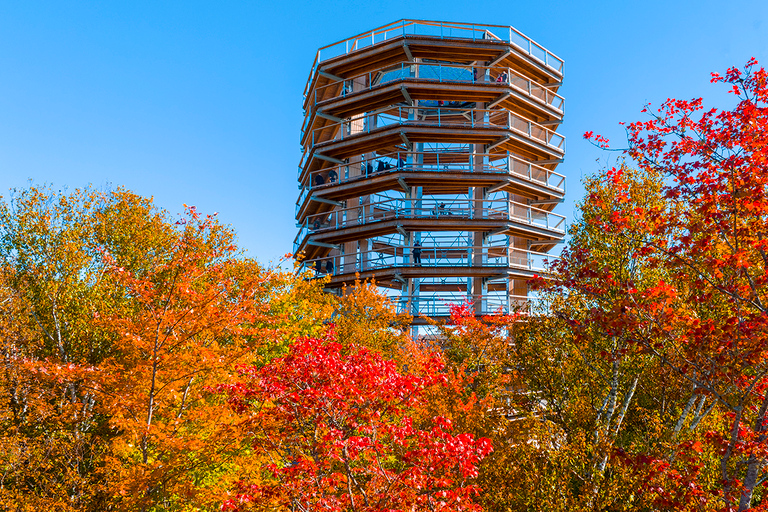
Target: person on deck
[417, 253]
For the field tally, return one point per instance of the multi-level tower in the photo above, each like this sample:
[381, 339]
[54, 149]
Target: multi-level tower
[428, 163]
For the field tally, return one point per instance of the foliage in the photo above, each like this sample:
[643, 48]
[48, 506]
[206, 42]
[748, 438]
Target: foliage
[703, 320]
[114, 320]
[335, 422]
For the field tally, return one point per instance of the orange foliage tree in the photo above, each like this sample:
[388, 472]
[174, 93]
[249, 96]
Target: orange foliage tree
[115, 318]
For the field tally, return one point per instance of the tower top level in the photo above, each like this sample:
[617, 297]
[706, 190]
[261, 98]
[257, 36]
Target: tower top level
[429, 157]
[414, 29]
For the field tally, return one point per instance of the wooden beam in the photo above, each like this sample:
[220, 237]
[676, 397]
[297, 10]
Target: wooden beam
[497, 187]
[499, 99]
[548, 201]
[323, 244]
[496, 143]
[402, 231]
[553, 84]
[405, 140]
[329, 159]
[399, 278]
[328, 75]
[550, 123]
[547, 162]
[406, 95]
[329, 117]
[403, 184]
[500, 58]
[324, 200]
[496, 231]
[408, 52]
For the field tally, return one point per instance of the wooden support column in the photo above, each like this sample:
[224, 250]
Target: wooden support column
[353, 213]
[478, 256]
[477, 195]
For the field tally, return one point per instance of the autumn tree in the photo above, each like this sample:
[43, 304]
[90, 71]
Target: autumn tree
[590, 394]
[704, 319]
[115, 317]
[336, 423]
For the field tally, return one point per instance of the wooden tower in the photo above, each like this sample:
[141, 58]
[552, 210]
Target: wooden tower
[429, 156]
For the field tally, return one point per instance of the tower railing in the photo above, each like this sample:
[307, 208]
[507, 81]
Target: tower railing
[459, 210]
[433, 72]
[442, 30]
[367, 166]
[439, 305]
[429, 256]
[437, 117]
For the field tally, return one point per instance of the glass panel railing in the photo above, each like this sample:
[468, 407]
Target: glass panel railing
[439, 305]
[430, 72]
[367, 166]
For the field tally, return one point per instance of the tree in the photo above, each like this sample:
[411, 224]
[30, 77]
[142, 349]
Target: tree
[336, 422]
[593, 394]
[115, 320]
[704, 320]
[52, 279]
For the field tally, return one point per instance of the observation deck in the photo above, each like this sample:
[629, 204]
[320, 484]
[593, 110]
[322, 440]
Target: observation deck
[429, 163]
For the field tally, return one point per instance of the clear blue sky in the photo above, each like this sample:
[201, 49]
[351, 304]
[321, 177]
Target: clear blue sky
[200, 102]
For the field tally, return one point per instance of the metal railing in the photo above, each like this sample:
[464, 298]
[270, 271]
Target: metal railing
[427, 161]
[443, 30]
[438, 305]
[391, 209]
[430, 72]
[410, 209]
[439, 117]
[391, 257]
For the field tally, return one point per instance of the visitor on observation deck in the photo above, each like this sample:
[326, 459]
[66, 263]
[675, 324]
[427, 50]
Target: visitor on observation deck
[417, 253]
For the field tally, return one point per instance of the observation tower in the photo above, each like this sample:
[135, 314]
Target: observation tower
[429, 157]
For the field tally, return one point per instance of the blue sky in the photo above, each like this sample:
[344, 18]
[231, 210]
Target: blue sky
[200, 102]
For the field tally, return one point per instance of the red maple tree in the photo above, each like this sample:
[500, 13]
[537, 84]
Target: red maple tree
[334, 421]
[707, 318]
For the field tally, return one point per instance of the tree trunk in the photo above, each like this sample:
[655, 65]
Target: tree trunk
[754, 463]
